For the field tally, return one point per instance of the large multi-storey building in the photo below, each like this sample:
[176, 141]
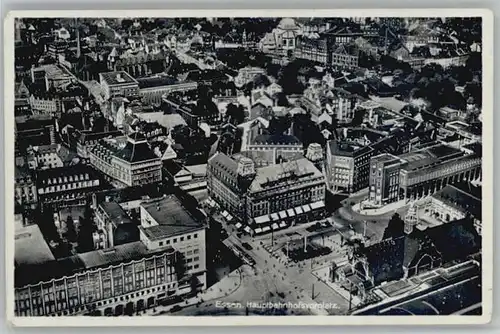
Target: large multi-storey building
[419, 173]
[347, 166]
[314, 49]
[114, 226]
[270, 197]
[167, 265]
[118, 84]
[127, 161]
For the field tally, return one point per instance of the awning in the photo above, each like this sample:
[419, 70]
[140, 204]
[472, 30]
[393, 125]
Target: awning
[282, 224]
[247, 229]
[317, 205]
[298, 210]
[282, 214]
[274, 216]
[229, 218]
[258, 230]
[265, 229]
[238, 225]
[275, 226]
[262, 219]
[306, 208]
[290, 212]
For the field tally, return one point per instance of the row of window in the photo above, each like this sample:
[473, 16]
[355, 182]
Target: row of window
[181, 239]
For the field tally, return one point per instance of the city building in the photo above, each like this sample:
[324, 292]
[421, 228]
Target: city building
[313, 49]
[126, 161]
[152, 89]
[25, 187]
[114, 226]
[282, 38]
[419, 173]
[88, 139]
[34, 131]
[266, 198]
[247, 74]
[345, 56]
[347, 166]
[118, 83]
[67, 186]
[457, 201]
[50, 156]
[166, 222]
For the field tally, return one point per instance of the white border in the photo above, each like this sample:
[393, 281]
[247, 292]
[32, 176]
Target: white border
[487, 174]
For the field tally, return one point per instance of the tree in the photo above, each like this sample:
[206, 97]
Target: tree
[70, 229]
[395, 228]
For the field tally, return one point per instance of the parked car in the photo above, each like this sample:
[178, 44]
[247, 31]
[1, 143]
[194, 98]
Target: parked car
[247, 246]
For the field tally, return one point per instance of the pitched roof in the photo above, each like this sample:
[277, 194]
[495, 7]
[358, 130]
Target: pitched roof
[136, 149]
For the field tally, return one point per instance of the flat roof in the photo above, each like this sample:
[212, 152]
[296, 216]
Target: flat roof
[172, 218]
[117, 78]
[31, 247]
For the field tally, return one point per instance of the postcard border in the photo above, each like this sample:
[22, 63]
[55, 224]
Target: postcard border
[487, 171]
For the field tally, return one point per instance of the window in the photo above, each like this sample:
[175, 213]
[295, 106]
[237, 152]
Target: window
[189, 237]
[174, 241]
[195, 235]
[182, 238]
[161, 243]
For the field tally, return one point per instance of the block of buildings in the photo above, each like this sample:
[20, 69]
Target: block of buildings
[166, 265]
[128, 161]
[118, 83]
[67, 186]
[270, 197]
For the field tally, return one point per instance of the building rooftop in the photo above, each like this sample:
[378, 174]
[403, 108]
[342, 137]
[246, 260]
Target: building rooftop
[430, 155]
[117, 78]
[34, 273]
[30, 246]
[171, 219]
[345, 148]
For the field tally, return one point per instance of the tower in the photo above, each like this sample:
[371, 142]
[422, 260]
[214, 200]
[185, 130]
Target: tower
[411, 219]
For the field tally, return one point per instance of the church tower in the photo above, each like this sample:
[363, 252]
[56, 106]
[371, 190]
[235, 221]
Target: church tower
[411, 219]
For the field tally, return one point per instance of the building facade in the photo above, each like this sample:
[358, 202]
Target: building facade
[420, 173]
[67, 186]
[126, 161]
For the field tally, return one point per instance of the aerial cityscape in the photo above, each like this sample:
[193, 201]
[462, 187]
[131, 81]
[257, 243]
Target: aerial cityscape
[248, 166]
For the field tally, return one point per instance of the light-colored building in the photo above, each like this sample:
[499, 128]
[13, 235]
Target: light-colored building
[128, 161]
[118, 83]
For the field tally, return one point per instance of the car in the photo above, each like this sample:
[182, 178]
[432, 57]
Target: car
[247, 246]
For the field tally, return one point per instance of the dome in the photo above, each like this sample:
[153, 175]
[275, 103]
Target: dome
[287, 24]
